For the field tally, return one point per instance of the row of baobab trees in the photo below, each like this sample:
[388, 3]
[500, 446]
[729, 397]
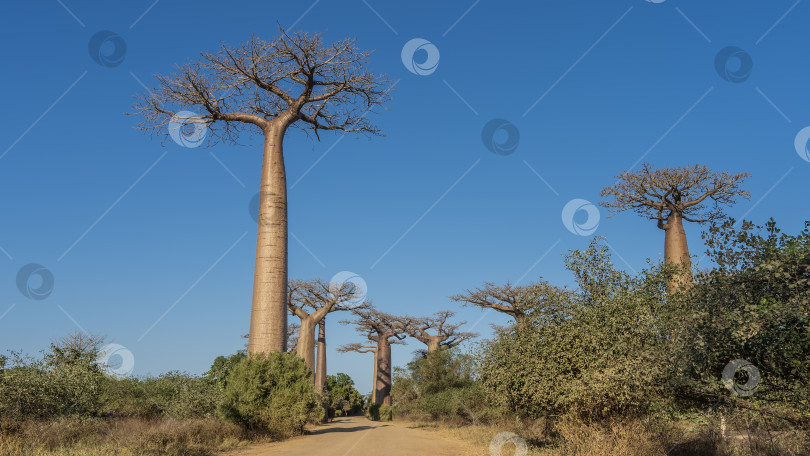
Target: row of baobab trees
[312, 300]
[297, 80]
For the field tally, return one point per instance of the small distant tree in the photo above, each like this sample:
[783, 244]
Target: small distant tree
[360, 348]
[436, 332]
[518, 302]
[294, 80]
[671, 195]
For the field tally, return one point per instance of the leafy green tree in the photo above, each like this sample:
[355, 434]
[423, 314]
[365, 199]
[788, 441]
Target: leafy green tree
[440, 385]
[343, 398]
[591, 353]
[754, 306]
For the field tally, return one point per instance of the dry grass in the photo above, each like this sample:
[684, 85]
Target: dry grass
[127, 437]
[626, 437]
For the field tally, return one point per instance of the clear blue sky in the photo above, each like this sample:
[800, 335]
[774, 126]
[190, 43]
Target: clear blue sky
[616, 81]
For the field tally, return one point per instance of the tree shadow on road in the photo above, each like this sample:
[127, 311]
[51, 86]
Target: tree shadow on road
[333, 429]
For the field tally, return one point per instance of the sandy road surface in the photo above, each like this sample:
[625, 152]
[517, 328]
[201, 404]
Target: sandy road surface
[357, 436]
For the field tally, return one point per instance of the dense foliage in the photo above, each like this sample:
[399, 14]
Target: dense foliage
[597, 352]
[343, 399]
[441, 385]
[272, 393]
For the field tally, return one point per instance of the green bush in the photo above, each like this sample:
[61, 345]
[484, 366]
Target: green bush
[341, 396]
[386, 413]
[373, 412]
[600, 351]
[441, 386]
[271, 393]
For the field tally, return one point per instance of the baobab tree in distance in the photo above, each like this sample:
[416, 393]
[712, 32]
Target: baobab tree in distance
[671, 195]
[320, 298]
[295, 80]
[519, 302]
[383, 329]
[360, 348]
[443, 335]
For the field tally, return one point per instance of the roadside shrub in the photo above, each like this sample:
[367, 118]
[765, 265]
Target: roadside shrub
[386, 413]
[441, 386]
[596, 353]
[271, 393]
[373, 412]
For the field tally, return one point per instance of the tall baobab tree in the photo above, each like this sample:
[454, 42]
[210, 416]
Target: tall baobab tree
[519, 302]
[384, 330]
[360, 348]
[671, 195]
[295, 80]
[445, 334]
[310, 301]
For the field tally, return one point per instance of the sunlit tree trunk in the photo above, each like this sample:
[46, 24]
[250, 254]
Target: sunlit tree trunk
[374, 376]
[433, 344]
[383, 388]
[268, 315]
[676, 252]
[306, 342]
[320, 370]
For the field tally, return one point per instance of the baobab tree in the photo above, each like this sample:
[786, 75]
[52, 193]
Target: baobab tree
[384, 330]
[517, 301]
[671, 195]
[295, 80]
[310, 301]
[444, 335]
[360, 348]
[292, 337]
[320, 368]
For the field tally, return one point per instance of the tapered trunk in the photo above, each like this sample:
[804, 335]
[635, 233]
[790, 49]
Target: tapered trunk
[374, 377]
[383, 386]
[268, 314]
[320, 370]
[306, 342]
[676, 252]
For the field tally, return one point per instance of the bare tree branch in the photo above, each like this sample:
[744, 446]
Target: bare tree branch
[295, 76]
[684, 191]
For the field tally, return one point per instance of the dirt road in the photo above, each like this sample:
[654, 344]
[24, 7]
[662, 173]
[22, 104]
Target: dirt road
[357, 436]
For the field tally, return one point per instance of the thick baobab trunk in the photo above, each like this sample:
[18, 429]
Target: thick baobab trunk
[306, 342]
[383, 386]
[676, 252]
[320, 371]
[268, 314]
[433, 344]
